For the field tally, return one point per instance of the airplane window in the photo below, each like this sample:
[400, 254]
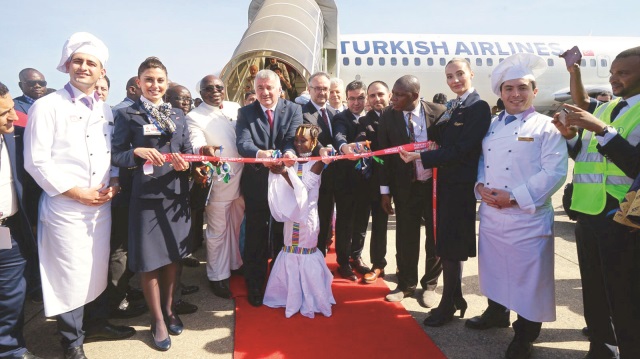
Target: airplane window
[603, 62]
[500, 60]
[430, 61]
[468, 59]
[592, 62]
[478, 62]
[550, 62]
[394, 61]
[358, 61]
[345, 61]
[381, 61]
[489, 62]
[416, 61]
[583, 63]
[443, 61]
[405, 61]
[369, 61]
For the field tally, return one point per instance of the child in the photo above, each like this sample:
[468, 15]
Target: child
[300, 280]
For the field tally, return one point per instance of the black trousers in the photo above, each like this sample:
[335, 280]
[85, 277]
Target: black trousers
[524, 329]
[609, 258]
[119, 273]
[352, 219]
[378, 241]
[263, 240]
[72, 324]
[325, 207]
[409, 212]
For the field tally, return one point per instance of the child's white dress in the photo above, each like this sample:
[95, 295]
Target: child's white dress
[300, 280]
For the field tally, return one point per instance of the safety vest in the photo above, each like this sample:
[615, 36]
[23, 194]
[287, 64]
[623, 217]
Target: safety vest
[593, 175]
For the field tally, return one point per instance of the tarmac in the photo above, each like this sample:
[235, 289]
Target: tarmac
[209, 332]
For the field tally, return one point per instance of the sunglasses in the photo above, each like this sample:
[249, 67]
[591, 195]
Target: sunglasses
[213, 88]
[32, 83]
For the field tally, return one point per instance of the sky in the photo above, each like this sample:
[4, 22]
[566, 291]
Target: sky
[197, 37]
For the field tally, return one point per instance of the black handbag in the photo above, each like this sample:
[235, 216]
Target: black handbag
[566, 201]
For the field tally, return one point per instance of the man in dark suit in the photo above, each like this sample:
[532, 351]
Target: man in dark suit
[410, 185]
[316, 112]
[378, 96]
[263, 127]
[33, 86]
[351, 220]
[18, 205]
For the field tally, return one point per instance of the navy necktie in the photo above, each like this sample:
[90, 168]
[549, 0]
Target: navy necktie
[616, 110]
[509, 119]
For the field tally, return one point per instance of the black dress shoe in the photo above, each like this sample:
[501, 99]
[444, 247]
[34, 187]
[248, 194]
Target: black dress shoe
[190, 261]
[360, 267]
[189, 289]
[220, 289]
[162, 345]
[129, 311]
[74, 353]
[29, 355]
[347, 273]
[519, 349]
[439, 317]
[108, 332]
[489, 319]
[174, 326]
[585, 331]
[182, 307]
[255, 297]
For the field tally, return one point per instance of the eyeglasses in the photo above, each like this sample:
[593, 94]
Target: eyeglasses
[320, 89]
[213, 88]
[354, 99]
[184, 99]
[32, 83]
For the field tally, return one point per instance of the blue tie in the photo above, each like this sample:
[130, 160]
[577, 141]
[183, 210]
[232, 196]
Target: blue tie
[509, 119]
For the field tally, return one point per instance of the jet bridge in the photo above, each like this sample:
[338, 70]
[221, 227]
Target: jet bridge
[302, 34]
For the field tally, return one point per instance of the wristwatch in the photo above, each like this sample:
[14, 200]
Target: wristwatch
[512, 199]
[604, 131]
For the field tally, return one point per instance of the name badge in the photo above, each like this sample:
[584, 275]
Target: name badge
[5, 238]
[525, 139]
[150, 130]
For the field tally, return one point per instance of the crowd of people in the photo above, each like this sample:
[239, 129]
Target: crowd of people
[91, 195]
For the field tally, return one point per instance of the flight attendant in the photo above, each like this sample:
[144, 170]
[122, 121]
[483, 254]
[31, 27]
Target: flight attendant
[458, 133]
[159, 216]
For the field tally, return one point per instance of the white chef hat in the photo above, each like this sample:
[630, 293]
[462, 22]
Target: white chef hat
[85, 43]
[517, 66]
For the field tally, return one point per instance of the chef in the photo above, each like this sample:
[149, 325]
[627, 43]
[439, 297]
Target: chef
[523, 162]
[67, 152]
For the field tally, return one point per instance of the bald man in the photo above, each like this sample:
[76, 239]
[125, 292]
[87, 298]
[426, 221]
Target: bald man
[33, 86]
[410, 186]
[179, 97]
[212, 125]
[133, 95]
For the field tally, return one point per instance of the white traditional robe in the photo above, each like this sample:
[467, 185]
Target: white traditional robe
[300, 282]
[68, 145]
[516, 244]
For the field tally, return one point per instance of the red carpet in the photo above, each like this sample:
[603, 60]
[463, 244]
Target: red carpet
[363, 325]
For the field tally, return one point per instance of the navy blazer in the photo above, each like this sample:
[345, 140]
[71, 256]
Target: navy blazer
[164, 182]
[253, 134]
[311, 115]
[27, 191]
[21, 104]
[460, 141]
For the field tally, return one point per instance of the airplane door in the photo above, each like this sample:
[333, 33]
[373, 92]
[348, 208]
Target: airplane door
[296, 33]
[603, 64]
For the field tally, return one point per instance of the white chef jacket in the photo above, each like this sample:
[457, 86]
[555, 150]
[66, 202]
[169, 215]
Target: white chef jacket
[67, 145]
[214, 126]
[528, 158]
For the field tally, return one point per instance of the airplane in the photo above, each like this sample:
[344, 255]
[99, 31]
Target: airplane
[304, 35]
